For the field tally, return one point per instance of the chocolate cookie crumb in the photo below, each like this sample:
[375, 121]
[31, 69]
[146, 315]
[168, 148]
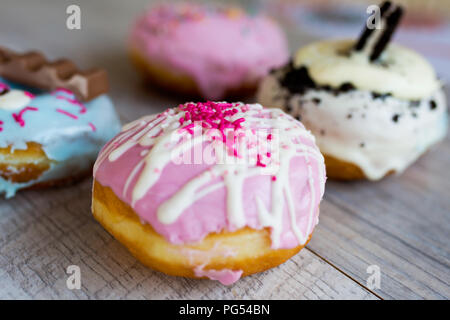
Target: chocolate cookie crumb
[345, 87]
[433, 105]
[382, 96]
[395, 117]
[296, 80]
[316, 100]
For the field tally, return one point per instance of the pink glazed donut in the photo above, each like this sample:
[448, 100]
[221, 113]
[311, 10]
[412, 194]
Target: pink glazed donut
[211, 190]
[206, 51]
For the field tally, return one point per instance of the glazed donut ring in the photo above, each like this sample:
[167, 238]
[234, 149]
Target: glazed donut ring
[248, 208]
[201, 50]
[49, 138]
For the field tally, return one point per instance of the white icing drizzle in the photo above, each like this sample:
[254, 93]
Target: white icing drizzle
[163, 136]
[132, 175]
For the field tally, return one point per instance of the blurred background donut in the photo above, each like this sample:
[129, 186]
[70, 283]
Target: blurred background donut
[205, 50]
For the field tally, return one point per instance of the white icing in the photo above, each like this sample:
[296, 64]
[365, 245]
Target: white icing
[169, 142]
[14, 100]
[387, 145]
[402, 72]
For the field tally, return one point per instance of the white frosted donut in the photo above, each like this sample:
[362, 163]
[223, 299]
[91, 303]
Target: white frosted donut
[369, 119]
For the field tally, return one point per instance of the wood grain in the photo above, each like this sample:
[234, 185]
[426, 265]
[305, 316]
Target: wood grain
[42, 234]
[400, 224]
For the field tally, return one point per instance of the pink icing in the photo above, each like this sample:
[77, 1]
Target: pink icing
[220, 48]
[208, 214]
[224, 276]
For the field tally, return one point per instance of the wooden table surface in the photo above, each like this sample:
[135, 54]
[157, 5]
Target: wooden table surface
[401, 224]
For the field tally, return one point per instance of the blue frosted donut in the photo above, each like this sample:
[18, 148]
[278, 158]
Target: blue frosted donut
[47, 138]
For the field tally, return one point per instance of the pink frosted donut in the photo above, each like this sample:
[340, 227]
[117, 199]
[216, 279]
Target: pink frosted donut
[205, 50]
[218, 190]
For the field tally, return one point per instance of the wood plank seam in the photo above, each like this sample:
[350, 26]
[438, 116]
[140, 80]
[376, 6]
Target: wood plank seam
[394, 236]
[344, 273]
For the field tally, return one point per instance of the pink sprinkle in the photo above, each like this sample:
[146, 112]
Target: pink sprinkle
[74, 102]
[67, 113]
[244, 108]
[211, 115]
[268, 154]
[92, 126]
[64, 90]
[29, 94]
[19, 117]
[258, 161]
[1, 124]
[237, 122]
[189, 128]
[274, 178]
[269, 136]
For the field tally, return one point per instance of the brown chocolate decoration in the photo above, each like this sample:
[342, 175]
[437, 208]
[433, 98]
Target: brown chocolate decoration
[390, 15]
[392, 22]
[365, 35]
[32, 69]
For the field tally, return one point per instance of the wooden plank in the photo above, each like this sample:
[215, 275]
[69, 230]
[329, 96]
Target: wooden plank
[42, 233]
[401, 224]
